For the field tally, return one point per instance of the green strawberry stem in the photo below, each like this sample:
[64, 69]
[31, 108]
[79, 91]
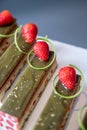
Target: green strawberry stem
[15, 39]
[72, 96]
[45, 67]
[7, 35]
[79, 118]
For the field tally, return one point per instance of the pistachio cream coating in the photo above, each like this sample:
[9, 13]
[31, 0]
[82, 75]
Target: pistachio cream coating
[7, 29]
[16, 102]
[10, 59]
[55, 111]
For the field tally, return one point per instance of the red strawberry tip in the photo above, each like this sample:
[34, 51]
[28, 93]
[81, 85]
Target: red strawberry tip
[67, 76]
[29, 32]
[41, 49]
[6, 18]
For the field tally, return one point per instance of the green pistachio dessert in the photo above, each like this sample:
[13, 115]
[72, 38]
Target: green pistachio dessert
[27, 90]
[5, 42]
[29, 86]
[10, 63]
[14, 58]
[7, 27]
[57, 109]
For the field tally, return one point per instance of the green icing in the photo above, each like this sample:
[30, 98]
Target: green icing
[17, 100]
[10, 58]
[22, 44]
[53, 114]
[5, 29]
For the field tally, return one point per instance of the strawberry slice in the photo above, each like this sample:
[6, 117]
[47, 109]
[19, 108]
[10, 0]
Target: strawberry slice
[6, 18]
[41, 49]
[29, 32]
[67, 76]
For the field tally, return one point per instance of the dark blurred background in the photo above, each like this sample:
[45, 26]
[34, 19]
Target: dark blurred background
[62, 20]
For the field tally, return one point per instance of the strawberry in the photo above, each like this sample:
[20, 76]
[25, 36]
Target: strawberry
[6, 18]
[29, 32]
[41, 49]
[67, 76]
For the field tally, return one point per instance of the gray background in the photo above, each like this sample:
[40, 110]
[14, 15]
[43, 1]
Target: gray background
[62, 20]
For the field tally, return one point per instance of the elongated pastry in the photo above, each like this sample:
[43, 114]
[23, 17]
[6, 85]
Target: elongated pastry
[57, 109]
[13, 60]
[6, 29]
[8, 61]
[26, 92]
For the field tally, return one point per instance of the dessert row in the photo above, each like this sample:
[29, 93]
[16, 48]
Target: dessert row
[22, 51]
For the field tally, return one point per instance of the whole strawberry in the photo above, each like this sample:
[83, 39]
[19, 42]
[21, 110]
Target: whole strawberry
[6, 18]
[41, 49]
[67, 76]
[29, 32]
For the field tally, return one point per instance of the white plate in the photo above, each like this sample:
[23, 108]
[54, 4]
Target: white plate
[66, 54]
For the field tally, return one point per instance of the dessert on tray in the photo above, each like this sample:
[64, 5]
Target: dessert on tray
[7, 27]
[13, 59]
[58, 106]
[30, 85]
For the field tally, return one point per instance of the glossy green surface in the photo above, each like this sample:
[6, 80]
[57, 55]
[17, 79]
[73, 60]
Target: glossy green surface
[8, 61]
[17, 100]
[5, 29]
[11, 57]
[55, 110]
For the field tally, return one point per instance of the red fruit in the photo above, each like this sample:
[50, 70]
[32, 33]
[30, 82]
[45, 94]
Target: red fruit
[41, 49]
[6, 18]
[29, 32]
[67, 76]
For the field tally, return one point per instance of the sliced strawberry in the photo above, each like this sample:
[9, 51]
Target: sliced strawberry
[67, 76]
[41, 49]
[29, 32]
[6, 18]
